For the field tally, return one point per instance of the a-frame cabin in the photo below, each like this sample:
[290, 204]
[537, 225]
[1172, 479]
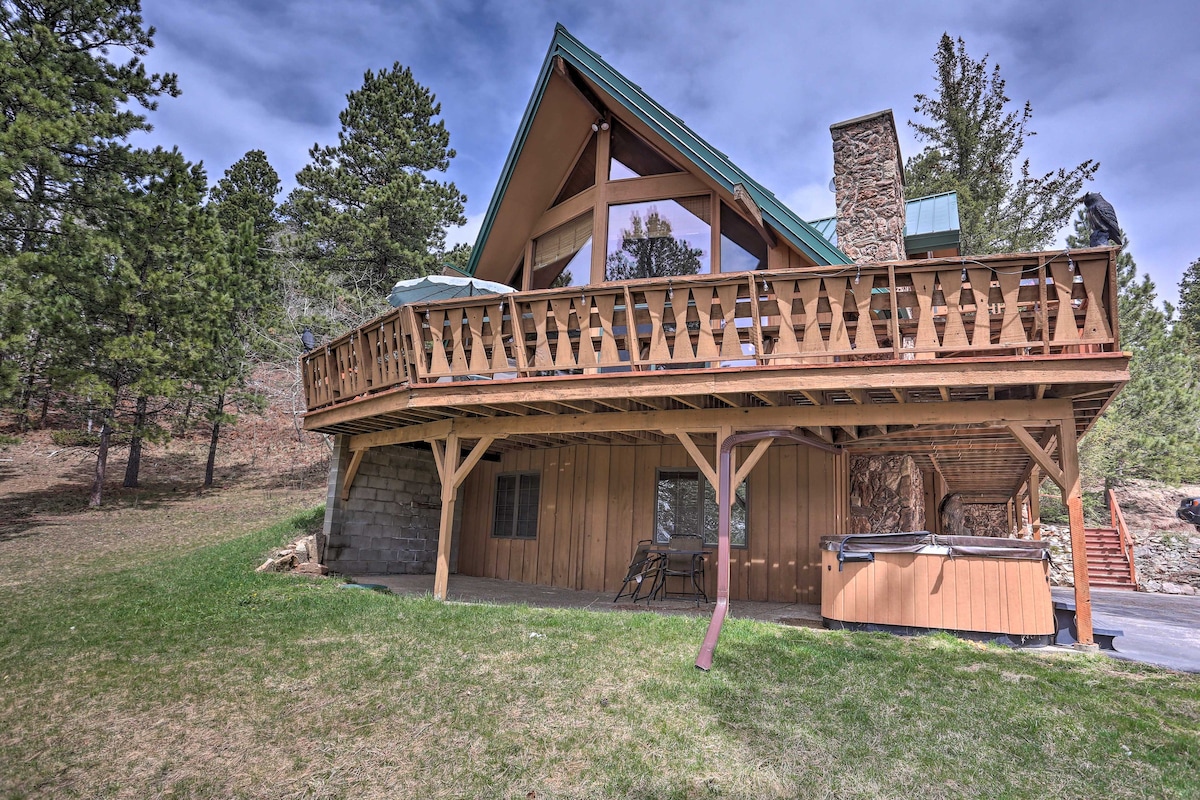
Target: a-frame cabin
[666, 302]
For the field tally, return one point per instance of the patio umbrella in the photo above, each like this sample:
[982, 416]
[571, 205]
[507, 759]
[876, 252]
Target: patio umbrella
[442, 287]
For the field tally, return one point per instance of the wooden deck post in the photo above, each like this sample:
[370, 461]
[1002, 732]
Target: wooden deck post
[446, 455]
[1072, 492]
[453, 473]
[1035, 503]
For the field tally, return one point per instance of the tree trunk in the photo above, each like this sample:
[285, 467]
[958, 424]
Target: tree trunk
[45, 407]
[135, 446]
[101, 460]
[182, 427]
[218, 410]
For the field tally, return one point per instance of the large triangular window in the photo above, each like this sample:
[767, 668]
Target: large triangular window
[631, 157]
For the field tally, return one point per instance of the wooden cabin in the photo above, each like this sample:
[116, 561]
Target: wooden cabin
[664, 302]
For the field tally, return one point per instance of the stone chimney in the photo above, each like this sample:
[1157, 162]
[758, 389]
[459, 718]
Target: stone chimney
[868, 178]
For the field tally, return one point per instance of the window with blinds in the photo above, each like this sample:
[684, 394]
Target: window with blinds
[562, 257]
[516, 510]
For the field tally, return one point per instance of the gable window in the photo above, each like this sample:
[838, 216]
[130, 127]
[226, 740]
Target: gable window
[686, 504]
[741, 247]
[516, 509]
[658, 239]
[583, 176]
[630, 157]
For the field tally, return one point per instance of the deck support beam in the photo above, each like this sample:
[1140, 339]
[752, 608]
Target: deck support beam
[1035, 503]
[351, 471]
[710, 419]
[1072, 493]
[446, 454]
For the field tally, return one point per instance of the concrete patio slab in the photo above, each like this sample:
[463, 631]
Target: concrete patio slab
[467, 589]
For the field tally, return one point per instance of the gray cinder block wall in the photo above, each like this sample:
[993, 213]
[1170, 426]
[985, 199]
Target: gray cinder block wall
[389, 524]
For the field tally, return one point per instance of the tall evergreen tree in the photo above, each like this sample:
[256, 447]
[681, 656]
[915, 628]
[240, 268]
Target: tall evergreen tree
[366, 211]
[65, 108]
[140, 290]
[1152, 428]
[244, 204]
[1189, 304]
[648, 250]
[972, 145]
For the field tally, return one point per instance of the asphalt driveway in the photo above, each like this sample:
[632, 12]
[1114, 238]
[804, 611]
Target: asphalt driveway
[1159, 629]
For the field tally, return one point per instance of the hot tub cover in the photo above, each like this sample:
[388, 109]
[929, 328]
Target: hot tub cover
[929, 543]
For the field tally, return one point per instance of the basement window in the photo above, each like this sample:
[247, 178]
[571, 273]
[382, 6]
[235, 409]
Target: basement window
[516, 510]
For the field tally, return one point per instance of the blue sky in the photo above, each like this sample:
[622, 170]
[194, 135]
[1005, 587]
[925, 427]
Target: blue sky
[762, 81]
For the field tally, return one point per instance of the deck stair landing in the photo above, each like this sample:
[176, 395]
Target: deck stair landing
[1110, 553]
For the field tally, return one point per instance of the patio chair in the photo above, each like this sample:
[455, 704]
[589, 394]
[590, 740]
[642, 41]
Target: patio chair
[641, 579]
[684, 559]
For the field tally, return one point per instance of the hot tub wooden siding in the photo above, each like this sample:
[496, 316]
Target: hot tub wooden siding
[966, 593]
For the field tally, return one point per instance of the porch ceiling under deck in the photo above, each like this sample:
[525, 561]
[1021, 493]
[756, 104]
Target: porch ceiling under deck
[882, 408]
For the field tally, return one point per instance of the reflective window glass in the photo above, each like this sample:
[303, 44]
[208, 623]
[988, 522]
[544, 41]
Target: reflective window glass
[631, 157]
[658, 238]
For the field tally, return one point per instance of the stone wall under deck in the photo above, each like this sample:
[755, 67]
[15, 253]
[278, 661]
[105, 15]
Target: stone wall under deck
[389, 524]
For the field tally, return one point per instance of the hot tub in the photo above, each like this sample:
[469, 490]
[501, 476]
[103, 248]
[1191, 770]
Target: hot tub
[918, 582]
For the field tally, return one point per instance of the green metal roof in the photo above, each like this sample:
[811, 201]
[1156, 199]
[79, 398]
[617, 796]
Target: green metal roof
[704, 156]
[930, 222]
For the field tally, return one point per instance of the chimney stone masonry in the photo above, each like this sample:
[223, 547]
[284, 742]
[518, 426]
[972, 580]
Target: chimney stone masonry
[869, 181]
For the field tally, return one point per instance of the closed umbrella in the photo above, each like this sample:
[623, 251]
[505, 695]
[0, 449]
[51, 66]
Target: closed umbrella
[442, 287]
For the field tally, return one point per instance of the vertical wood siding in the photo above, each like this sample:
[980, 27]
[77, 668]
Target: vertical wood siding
[598, 501]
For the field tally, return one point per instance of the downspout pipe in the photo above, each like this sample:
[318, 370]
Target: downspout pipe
[724, 503]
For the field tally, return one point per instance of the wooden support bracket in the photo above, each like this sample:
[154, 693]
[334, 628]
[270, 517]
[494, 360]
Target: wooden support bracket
[743, 198]
[351, 471]
[1044, 462]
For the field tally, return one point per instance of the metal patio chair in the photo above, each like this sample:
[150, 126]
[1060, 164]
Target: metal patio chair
[684, 558]
[643, 575]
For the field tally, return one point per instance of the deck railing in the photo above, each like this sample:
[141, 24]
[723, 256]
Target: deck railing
[1023, 305]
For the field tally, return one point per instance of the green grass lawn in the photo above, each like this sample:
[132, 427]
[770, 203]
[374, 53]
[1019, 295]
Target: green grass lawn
[192, 676]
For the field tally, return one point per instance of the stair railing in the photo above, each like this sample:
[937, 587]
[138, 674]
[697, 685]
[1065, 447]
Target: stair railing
[1118, 522]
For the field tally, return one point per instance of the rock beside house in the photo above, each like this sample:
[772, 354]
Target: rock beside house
[300, 557]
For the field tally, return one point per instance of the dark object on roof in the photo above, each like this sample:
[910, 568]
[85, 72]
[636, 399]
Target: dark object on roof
[308, 340]
[1102, 219]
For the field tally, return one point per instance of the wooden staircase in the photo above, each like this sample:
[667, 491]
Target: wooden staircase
[1110, 553]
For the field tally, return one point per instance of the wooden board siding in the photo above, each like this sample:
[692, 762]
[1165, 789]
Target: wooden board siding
[966, 593]
[598, 501]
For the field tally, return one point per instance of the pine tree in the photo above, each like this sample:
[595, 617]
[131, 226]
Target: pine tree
[1189, 304]
[65, 108]
[244, 204]
[366, 212]
[648, 250]
[973, 142]
[1152, 428]
[139, 292]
